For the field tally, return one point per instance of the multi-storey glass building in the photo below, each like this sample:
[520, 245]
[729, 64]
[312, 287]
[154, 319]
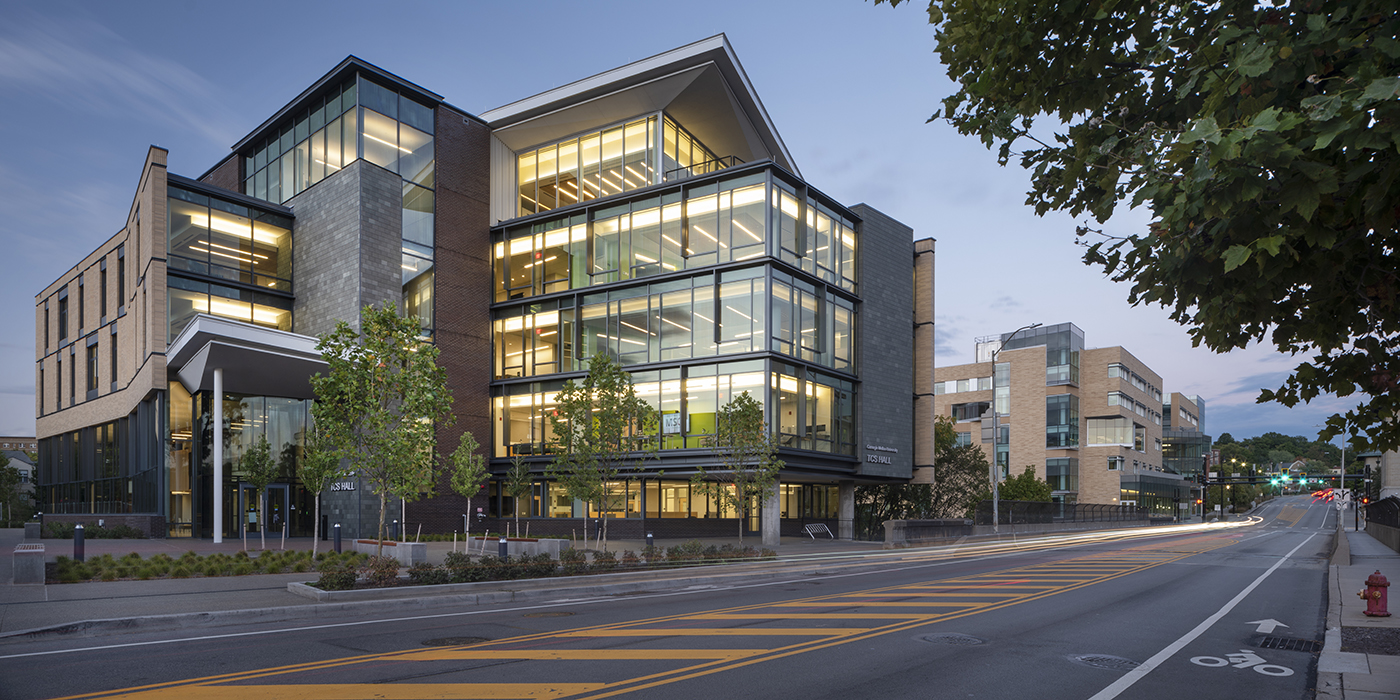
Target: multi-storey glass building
[651, 213]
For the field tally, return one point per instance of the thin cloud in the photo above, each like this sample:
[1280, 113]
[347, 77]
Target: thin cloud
[79, 62]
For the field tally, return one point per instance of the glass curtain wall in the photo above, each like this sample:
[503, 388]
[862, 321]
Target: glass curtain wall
[812, 411]
[246, 418]
[603, 163]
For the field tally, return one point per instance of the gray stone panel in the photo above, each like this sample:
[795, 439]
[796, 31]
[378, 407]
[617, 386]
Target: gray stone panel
[326, 240]
[886, 350]
[347, 246]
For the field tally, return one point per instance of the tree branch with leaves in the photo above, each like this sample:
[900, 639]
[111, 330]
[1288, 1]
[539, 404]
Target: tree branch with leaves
[1260, 138]
[748, 458]
[378, 403]
[601, 431]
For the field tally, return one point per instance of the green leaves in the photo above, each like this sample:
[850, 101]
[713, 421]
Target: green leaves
[1252, 133]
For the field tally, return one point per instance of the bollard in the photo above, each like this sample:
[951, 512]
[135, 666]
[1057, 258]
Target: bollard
[337, 538]
[394, 531]
[505, 547]
[78, 542]
[650, 543]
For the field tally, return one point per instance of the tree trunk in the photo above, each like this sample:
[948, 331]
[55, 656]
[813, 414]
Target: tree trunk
[262, 517]
[316, 528]
[379, 545]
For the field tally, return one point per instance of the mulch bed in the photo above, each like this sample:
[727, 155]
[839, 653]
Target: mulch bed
[1372, 640]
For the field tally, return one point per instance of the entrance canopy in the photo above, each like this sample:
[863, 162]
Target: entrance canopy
[255, 360]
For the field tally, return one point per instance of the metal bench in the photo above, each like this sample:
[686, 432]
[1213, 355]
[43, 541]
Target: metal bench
[814, 528]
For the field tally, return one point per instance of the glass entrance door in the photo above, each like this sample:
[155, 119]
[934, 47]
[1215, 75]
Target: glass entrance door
[276, 508]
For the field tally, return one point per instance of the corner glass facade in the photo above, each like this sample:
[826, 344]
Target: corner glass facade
[714, 286]
[360, 119]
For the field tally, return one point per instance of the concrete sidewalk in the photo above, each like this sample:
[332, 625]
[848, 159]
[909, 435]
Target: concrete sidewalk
[48, 606]
[1355, 675]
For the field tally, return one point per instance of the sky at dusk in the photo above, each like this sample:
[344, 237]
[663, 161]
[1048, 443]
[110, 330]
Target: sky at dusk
[87, 87]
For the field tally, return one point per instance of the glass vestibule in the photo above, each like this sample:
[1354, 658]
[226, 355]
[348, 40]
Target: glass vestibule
[246, 418]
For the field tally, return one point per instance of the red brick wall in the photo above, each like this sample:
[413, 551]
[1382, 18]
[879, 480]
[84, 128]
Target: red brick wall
[225, 175]
[463, 299]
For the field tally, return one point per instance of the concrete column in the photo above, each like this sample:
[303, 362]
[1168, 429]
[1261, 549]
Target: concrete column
[218, 456]
[846, 510]
[772, 514]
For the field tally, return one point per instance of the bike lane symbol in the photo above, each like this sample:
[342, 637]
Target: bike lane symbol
[1244, 659]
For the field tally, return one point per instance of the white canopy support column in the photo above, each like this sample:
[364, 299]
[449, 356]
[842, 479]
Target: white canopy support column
[218, 455]
[770, 517]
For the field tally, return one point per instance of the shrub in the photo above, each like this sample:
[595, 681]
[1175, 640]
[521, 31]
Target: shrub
[145, 573]
[180, 572]
[573, 562]
[711, 553]
[766, 553]
[300, 567]
[461, 569]
[381, 572]
[108, 575]
[243, 569]
[493, 568]
[542, 566]
[604, 561]
[630, 560]
[336, 577]
[425, 574]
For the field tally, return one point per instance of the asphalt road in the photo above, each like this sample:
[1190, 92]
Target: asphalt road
[1168, 616]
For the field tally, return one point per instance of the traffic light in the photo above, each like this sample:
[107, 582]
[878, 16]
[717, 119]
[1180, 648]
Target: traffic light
[1198, 501]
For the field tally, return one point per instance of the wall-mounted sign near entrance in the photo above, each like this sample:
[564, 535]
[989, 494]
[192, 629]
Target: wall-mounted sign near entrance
[881, 448]
[878, 459]
[343, 486]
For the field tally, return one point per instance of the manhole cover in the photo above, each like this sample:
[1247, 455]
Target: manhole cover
[954, 639]
[453, 641]
[1112, 663]
[1290, 644]
[547, 614]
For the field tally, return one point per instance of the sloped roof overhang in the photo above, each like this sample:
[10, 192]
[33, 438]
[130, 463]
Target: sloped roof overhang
[702, 85]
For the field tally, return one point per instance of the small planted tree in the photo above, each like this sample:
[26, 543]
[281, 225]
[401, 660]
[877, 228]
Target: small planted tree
[378, 402]
[600, 429]
[518, 484]
[748, 456]
[259, 470]
[468, 471]
[1026, 487]
[320, 465]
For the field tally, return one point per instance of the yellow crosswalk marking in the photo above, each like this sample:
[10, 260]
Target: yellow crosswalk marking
[378, 691]
[719, 632]
[581, 654]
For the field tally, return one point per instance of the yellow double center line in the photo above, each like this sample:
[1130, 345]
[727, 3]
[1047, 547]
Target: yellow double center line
[806, 625]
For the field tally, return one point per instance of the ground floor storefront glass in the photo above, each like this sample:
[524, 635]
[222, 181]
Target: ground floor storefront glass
[245, 419]
[656, 498]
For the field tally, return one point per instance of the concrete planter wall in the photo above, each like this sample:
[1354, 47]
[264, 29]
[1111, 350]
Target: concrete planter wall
[408, 553]
[517, 546]
[29, 564]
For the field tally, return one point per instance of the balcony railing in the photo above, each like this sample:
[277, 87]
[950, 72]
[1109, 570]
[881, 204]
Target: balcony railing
[704, 167]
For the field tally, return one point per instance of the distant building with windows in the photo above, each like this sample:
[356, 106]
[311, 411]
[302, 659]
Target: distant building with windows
[1089, 420]
[651, 213]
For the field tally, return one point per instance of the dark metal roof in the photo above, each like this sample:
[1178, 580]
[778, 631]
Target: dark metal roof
[340, 73]
[221, 193]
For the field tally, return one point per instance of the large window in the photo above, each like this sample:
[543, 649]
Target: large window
[209, 236]
[599, 164]
[806, 410]
[708, 224]
[970, 411]
[1062, 473]
[1110, 431]
[186, 297]
[1061, 421]
[532, 340]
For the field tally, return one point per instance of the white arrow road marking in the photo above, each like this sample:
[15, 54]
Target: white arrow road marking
[1128, 679]
[1266, 626]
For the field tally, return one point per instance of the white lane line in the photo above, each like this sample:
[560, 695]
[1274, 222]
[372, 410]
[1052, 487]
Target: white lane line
[1135, 675]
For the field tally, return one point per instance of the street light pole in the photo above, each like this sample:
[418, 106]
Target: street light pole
[996, 432]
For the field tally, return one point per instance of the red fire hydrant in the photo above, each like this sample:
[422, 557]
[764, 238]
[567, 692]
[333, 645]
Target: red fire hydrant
[1375, 595]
